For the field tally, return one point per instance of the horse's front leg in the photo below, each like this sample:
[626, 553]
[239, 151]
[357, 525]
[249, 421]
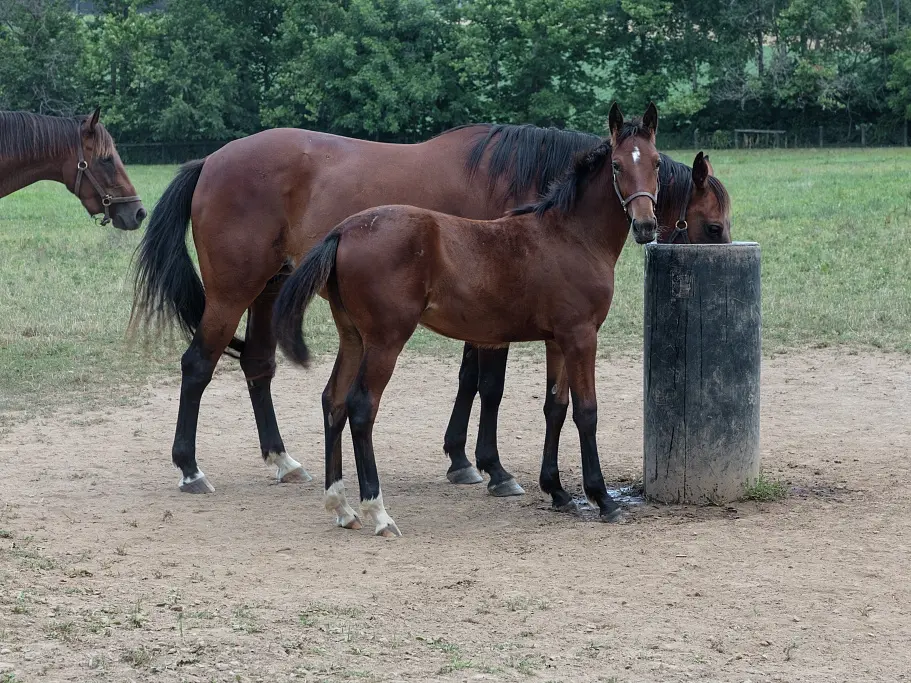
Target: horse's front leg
[556, 403]
[579, 347]
[491, 379]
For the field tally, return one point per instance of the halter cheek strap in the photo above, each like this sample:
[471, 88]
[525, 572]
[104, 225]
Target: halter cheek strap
[681, 229]
[82, 169]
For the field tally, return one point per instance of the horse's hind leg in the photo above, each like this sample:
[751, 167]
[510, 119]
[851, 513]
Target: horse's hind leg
[363, 401]
[555, 406]
[335, 414]
[491, 378]
[461, 471]
[258, 364]
[197, 366]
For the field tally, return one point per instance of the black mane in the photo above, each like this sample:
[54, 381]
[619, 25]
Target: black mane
[30, 137]
[530, 158]
[565, 193]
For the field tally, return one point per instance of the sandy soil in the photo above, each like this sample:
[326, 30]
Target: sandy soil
[108, 573]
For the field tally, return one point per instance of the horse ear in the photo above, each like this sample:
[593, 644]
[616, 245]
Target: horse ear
[93, 121]
[614, 120]
[650, 118]
[709, 164]
[700, 170]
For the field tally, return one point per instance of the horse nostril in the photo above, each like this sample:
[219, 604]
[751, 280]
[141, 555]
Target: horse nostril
[141, 214]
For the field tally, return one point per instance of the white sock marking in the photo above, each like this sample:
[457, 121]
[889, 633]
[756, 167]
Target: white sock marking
[284, 464]
[374, 508]
[337, 503]
[189, 480]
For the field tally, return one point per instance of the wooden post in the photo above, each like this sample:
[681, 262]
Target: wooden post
[735, 140]
[695, 138]
[701, 371]
[820, 136]
[863, 135]
[905, 134]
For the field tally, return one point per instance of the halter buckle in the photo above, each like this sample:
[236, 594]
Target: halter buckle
[106, 200]
[681, 224]
[82, 165]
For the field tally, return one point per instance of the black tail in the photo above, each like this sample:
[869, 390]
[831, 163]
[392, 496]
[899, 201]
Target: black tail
[166, 284]
[296, 294]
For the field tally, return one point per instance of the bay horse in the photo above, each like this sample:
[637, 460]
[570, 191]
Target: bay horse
[543, 273]
[34, 147]
[260, 203]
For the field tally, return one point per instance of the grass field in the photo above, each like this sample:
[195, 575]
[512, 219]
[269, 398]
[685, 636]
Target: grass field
[834, 226]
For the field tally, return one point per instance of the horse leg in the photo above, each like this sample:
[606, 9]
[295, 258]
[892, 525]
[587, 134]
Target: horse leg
[461, 471]
[555, 405]
[197, 366]
[335, 414]
[579, 348]
[258, 364]
[363, 402]
[491, 378]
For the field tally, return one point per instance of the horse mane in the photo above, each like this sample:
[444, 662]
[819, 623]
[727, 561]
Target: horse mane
[30, 137]
[564, 194]
[675, 178]
[528, 157]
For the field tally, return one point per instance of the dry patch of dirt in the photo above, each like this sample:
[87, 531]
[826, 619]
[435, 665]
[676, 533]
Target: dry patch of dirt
[108, 573]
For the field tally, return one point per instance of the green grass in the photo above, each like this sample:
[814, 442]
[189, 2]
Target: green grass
[765, 490]
[834, 226]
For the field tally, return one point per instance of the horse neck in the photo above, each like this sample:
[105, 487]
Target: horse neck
[599, 216]
[18, 173]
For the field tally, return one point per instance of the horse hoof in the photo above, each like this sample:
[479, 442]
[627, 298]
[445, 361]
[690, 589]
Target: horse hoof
[567, 507]
[466, 475]
[354, 524]
[510, 487]
[614, 517]
[198, 484]
[298, 474]
[389, 531]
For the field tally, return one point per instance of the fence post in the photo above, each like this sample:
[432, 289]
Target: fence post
[863, 135]
[905, 133]
[820, 136]
[695, 138]
[735, 140]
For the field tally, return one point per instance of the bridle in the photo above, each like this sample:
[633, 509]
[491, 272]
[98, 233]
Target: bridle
[82, 168]
[681, 229]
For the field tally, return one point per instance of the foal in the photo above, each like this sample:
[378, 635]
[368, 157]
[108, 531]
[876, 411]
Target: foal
[543, 273]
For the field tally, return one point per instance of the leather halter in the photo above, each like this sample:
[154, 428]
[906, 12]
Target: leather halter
[681, 229]
[642, 193]
[82, 168]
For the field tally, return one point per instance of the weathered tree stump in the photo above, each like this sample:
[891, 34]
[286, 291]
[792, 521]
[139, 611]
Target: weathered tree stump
[702, 358]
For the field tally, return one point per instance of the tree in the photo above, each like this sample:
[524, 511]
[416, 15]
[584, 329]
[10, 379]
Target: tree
[41, 43]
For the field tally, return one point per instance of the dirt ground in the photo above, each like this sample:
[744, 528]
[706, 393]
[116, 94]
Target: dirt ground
[108, 573]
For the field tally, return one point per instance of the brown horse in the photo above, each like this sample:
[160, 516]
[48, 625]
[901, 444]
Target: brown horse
[69, 150]
[260, 203]
[546, 272]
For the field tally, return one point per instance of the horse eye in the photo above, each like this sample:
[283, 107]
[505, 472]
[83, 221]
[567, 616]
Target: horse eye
[713, 230]
[616, 166]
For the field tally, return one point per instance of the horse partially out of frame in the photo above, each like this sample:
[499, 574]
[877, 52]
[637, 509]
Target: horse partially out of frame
[544, 273]
[77, 152]
[260, 203]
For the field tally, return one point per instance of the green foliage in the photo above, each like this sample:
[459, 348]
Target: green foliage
[40, 45]
[406, 69]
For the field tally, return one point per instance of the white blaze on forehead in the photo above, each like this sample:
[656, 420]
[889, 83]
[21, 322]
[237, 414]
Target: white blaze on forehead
[636, 155]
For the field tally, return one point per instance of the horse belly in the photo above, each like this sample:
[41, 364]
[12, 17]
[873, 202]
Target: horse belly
[480, 324]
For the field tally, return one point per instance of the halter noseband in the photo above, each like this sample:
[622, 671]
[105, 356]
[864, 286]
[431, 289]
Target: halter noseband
[82, 168]
[681, 229]
[642, 193]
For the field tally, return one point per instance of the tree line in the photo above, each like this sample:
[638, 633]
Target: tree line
[403, 70]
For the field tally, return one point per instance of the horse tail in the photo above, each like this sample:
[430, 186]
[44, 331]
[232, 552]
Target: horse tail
[166, 285]
[314, 273]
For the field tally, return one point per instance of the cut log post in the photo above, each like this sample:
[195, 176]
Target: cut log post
[702, 359]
